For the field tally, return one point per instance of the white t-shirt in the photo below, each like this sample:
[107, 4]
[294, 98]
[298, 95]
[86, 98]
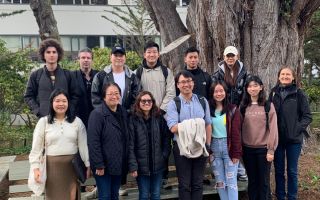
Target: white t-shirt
[120, 79]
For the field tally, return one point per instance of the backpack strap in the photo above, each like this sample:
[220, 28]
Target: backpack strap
[39, 73]
[139, 72]
[177, 101]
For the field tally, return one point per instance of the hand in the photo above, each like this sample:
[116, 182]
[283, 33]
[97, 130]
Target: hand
[235, 160]
[270, 157]
[100, 172]
[211, 158]
[174, 129]
[37, 175]
[134, 174]
[88, 173]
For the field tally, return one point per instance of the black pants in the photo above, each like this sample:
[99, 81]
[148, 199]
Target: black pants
[258, 170]
[190, 173]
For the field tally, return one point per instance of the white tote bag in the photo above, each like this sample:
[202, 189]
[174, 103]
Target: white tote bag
[35, 187]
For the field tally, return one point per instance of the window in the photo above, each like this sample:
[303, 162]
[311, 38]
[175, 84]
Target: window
[26, 1]
[65, 2]
[99, 2]
[16, 1]
[112, 40]
[185, 2]
[13, 43]
[93, 41]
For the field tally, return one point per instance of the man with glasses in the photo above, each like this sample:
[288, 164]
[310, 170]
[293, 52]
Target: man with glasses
[188, 108]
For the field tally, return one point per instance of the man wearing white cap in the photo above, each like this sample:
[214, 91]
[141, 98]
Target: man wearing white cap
[234, 74]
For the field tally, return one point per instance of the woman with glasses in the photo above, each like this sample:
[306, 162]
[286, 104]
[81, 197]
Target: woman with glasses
[108, 141]
[149, 146]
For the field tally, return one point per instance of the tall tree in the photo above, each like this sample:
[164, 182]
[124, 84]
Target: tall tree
[268, 33]
[134, 21]
[47, 24]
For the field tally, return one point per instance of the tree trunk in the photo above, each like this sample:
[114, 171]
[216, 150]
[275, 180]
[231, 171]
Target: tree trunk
[47, 24]
[269, 34]
[168, 23]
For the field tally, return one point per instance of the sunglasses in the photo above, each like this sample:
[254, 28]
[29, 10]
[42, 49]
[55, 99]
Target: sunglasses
[230, 55]
[144, 101]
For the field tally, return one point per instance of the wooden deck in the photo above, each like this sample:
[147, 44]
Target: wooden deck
[19, 170]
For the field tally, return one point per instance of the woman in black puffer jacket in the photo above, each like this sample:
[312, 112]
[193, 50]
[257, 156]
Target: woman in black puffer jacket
[149, 145]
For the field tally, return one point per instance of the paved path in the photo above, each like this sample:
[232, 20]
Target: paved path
[4, 165]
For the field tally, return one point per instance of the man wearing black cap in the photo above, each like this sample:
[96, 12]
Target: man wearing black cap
[119, 73]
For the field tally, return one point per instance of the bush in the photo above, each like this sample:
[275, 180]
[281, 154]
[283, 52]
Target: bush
[101, 58]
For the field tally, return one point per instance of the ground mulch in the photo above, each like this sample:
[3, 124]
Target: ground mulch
[309, 175]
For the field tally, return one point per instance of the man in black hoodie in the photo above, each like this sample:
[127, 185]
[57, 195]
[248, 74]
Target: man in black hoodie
[202, 80]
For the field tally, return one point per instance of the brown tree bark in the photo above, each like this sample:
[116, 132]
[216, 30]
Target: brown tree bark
[47, 24]
[170, 26]
[268, 33]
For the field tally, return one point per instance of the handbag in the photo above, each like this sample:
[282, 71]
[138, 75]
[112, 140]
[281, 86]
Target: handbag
[79, 167]
[35, 187]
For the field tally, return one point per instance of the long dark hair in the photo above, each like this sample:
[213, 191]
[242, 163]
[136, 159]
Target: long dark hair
[246, 100]
[212, 102]
[154, 112]
[70, 117]
[231, 80]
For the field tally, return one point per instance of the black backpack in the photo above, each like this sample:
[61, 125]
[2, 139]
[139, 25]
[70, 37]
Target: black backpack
[39, 73]
[178, 103]
[267, 106]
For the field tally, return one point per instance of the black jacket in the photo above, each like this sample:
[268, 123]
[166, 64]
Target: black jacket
[40, 87]
[293, 113]
[132, 86]
[108, 140]
[139, 159]
[202, 82]
[235, 93]
[84, 106]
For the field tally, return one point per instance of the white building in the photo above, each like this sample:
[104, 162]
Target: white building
[79, 23]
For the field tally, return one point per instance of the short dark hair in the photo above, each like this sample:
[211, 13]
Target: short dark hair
[70, 116]
[50, 42]
[191, 50]
[183, 73]
[137, 111]
[106, 86]
[87, 50]
[151, 44]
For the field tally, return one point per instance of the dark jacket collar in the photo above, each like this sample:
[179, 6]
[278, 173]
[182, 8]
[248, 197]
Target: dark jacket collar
[194, 71]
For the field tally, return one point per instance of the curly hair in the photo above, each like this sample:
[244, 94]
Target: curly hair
[137, 111]
[45, 44]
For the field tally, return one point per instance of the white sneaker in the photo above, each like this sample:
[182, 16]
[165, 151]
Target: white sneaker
[93, 194]
[123, 191]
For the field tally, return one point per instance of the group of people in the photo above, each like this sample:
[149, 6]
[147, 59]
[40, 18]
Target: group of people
[123, 122]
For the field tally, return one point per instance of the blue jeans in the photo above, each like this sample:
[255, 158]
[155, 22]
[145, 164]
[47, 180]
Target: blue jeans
[108, 186]
[149, 186]
[224, 170]
[292, 152]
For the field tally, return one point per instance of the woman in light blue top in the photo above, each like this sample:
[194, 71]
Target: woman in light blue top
[226, 143]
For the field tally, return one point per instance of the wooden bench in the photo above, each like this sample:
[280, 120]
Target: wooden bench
[19, 172]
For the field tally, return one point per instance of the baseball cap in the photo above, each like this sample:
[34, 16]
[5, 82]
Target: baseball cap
[118, 49]
[230, 49]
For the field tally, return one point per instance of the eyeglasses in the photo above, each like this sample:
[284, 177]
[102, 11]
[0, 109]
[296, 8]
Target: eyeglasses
[113, 94]
[144, 101]
[185, 82]
[230, 55]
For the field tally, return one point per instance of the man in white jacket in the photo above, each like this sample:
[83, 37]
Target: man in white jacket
[190, 171]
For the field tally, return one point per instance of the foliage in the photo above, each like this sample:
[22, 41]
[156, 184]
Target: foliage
[135, 21]
[15, 140]
[14, 73]
[101, 58]
[311, 45]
